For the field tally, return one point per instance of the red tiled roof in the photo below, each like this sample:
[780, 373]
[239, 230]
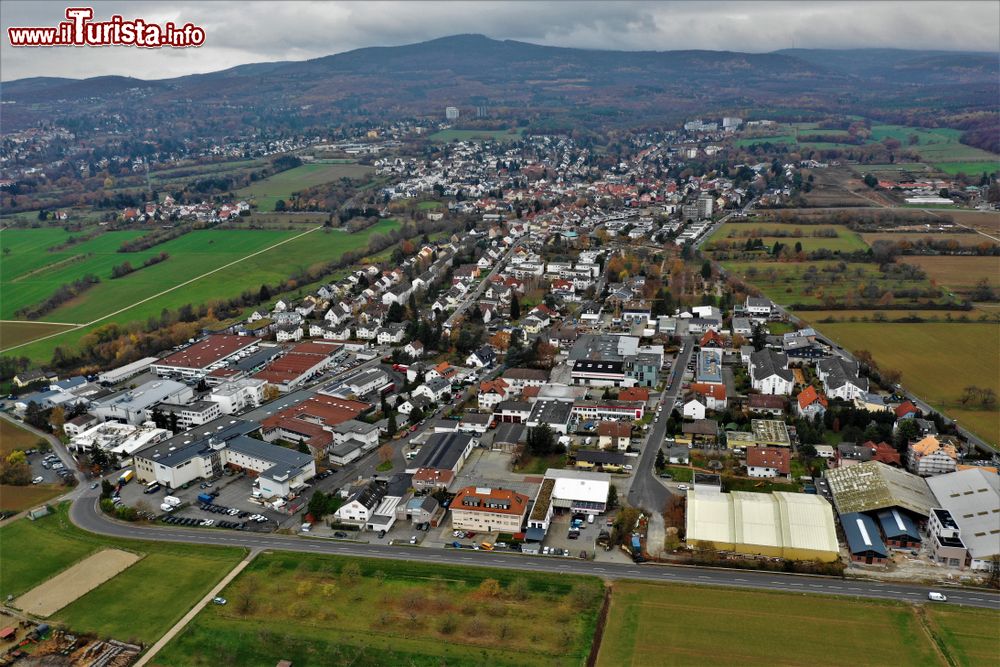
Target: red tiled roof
[809, 395]
[904, 408]
[517, 503]
[778, 458]
[716, 391]
[634, 394]
[615, 429]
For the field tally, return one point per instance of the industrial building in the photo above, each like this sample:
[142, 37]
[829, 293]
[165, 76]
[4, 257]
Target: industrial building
[873, 486]
[133, 406]
[972, 498]
[199, 359]
[567, 490]
[794, 526]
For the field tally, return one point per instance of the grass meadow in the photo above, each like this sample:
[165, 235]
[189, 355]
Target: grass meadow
[20, 498]
[272, 266]
[662, 624]
[958, 272]
[282, 185]
[938, 360]
[313, 609]
[469, 135]
[14, 437]
[139, 604]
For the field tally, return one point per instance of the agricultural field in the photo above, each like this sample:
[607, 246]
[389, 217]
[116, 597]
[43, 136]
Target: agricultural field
[844, 240]
[965, 240]
[969, 634]
[959, 273]
[17, 333]
[14, 437]
[938, 360]
[274, 263]
[663, 624]
[20, 498]
[120, 607]
[445, 136]
[267, 192]
[332, 610]
[813, 283]
[979, 314]
[968, 168]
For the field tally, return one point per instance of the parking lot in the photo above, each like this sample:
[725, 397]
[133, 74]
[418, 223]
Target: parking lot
[557, 538]
[232, 503]
[47, 468]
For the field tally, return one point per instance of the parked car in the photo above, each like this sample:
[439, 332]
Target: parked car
[340, 534]
[682, 487]
[38, 480]
[219, 601]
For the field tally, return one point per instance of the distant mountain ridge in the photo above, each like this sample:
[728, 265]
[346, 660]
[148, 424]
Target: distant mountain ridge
[470, 70]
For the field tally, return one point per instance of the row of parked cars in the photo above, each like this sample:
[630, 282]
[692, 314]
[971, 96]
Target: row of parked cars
[205, 523]
[232, 511]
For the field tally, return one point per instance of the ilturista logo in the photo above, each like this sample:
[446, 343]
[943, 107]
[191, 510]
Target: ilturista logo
[79, 29]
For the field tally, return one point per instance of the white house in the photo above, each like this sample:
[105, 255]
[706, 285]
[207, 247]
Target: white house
[484, 357]
[694, 409]
[414, 349]
[433, 390]
[769, 373]
[392, 333]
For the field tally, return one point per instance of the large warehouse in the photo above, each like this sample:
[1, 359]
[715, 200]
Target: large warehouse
[871, 486]
[196, 360]
[795, 526]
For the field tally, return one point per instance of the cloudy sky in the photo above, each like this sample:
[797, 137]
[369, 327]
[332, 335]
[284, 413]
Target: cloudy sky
[245, 32]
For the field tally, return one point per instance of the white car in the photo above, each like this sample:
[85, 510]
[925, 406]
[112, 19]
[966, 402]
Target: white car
[682, 487]
[937, 597]
[38, 480]
[208, 522]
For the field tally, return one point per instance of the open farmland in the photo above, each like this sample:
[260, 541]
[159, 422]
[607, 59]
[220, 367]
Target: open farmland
[20, 498]
[812, 237]
[16, 333]
[814, 283]
[14, 437]
[937, 361]
[282, 185]
[662, 624]
[964, 240]
[140, 603]
[970, 635]
[472, 135]
[958, 272]
[272, 263]
[190, 255]
[338, 611]
[55, 593]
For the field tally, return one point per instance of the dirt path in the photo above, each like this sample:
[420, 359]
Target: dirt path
[52, 595]
[169, 289]
[180, 625]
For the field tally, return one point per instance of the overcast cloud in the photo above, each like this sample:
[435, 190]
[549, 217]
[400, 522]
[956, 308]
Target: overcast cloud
[246, 32]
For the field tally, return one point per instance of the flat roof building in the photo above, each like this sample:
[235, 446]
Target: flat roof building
[195, 359]
[794, 526]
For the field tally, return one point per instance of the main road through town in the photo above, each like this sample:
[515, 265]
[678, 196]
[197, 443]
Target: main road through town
[85, 514]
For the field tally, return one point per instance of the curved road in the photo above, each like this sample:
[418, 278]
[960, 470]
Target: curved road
[85, 514]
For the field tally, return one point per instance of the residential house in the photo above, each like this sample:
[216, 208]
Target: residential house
[769, 373]
[933, 455]
[491, 393]
[434, 390]
[614, 435]
[694, 409]
[484, 357]
[414, 349]
[810, 403]
[840, 378]
[488, 510]
[767, 404]
[768, 461]
[392, 334]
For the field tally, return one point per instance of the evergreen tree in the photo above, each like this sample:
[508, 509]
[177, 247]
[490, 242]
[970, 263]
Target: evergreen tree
[515, 307]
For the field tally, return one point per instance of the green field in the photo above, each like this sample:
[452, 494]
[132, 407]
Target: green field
[272, 266]
[969, 634]
[429, 205]
[445, 136]
[190, 255]
[20, 498]
[938, 146]
[283, 184]
[306, 609]
[846, 240]
[663, 624]
[937, 361]
[141, 603]
[789, 282]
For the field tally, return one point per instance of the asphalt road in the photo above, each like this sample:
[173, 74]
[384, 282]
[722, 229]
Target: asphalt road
[646, 490]
[86, 515]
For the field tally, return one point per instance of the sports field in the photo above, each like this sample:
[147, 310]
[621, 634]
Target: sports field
[470, 135]
[140, 603]
[204, 253]
[330, 610]
[663, 624]
[938, 360]
[283, 184]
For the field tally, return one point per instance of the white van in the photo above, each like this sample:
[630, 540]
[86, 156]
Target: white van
[590, 518]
